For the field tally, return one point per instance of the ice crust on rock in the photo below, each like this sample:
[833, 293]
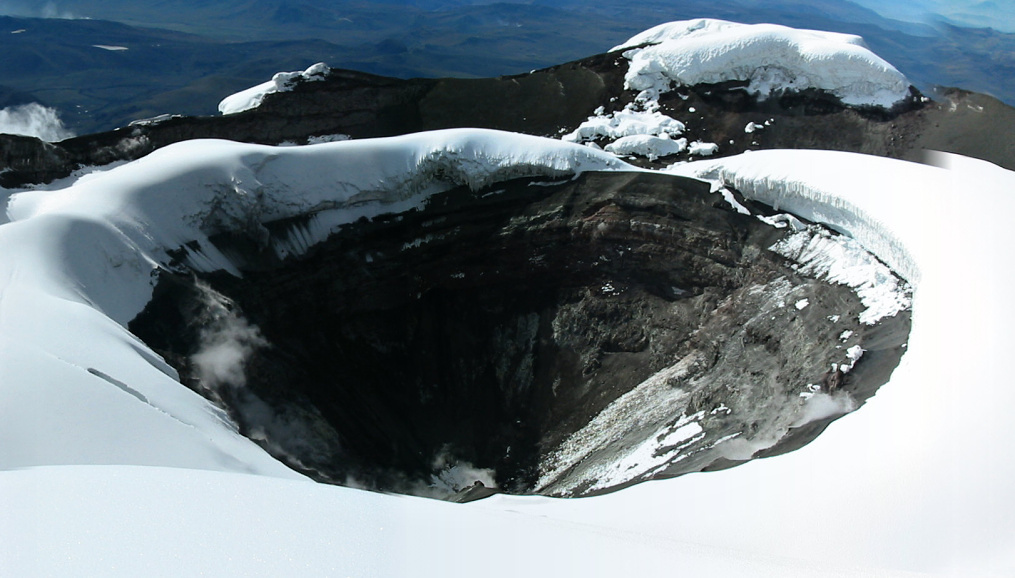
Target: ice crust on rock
[281, 82]
[771, 58]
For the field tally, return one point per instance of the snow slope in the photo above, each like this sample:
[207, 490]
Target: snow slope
[771, 58]
[916, 481]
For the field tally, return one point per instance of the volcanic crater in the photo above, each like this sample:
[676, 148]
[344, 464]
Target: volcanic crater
[558, 337]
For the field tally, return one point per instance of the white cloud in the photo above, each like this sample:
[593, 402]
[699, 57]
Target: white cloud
[32, 10]
[33, 120]
[824, 405]
[50, 10]
[227, 341]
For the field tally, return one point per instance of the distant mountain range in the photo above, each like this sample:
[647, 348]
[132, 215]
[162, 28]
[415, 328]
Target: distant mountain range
[181, 56]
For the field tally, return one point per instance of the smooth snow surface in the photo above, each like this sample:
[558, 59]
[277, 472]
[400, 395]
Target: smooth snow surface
[919, 480]
[281, 82]
[771, 58]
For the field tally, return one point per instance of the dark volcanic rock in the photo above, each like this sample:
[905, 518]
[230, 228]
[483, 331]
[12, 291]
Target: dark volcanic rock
[536, 331]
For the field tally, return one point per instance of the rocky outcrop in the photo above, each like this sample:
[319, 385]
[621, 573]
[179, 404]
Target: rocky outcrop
[565, 338]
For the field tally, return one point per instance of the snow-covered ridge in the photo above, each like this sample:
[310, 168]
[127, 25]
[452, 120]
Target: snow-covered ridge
[280, 82]
[770, 57]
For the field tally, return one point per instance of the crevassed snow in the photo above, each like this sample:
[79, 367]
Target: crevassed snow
[770, 57]
[281, 82]
[918, 479]
[774, 178]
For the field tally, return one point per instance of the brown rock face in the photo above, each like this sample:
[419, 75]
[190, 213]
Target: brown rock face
[538, 332]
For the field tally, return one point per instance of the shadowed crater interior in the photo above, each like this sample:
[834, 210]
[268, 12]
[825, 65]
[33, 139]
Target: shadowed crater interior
[566, 338]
